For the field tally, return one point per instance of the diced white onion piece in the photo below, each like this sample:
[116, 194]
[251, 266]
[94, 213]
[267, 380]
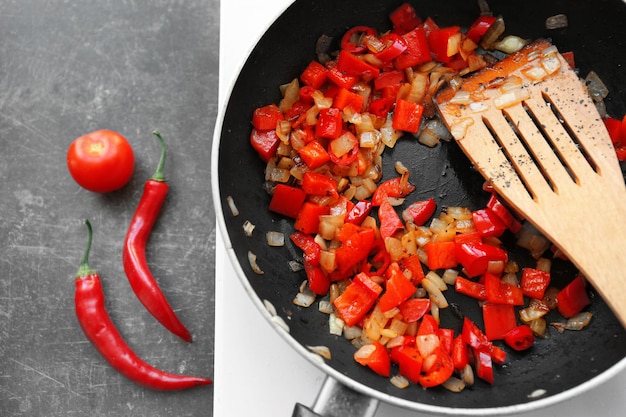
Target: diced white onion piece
[558, 21]
[454, 384]
[454, 44]
[335, 324]
[459, 129]
[551, 64]
[304, 299]
[436, 295]
[248, 228]
[551, 50]
[295, 266]
[352, 332]
[595, 87]
[536, 73]
[291, 94]
[323, 351]
[370, 138]
[461, 97]
[449, 276]
[325, 306]
[468, 375]
[437, 280]
[478, 106]
[365, 351]
[231, 204]
[399, 381]
[511, 98]
[510, 44]
[537, 393]
[427, 344]
[327, 261]
[253, 264]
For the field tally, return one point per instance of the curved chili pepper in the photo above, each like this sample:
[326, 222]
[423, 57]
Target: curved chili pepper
[102, 333]
[134, 259]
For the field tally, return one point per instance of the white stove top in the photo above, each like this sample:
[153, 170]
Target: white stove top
[256, 371]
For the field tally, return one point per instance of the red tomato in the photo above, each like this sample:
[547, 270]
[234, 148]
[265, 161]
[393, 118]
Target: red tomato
[101, 161]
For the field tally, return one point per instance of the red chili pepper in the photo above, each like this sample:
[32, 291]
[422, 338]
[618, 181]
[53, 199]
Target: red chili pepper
[352, 40]
[520, 337]
[134, 253]
[102, 333]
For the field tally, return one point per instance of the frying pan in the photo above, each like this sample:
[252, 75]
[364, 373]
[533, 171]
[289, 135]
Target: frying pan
[561, 365]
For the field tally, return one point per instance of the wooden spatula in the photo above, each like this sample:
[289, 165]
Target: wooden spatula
[529, 127]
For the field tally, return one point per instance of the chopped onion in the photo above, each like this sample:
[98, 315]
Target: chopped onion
[454, 384]
[511, 98]
[459, 129]
[510, 44]
[399, 381]
[325, 306]
[291, 94]
[269, 307]
[335, 324]
[304, 299]
[248, 228]
[468, 375]
[558, 21]
[280, 323]
[323, 351]
[231, 204]
[295, 266]
[595, 87]
[435, 293]
[253, 264]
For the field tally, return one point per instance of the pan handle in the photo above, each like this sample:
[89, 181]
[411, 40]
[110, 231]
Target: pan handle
[338, 400]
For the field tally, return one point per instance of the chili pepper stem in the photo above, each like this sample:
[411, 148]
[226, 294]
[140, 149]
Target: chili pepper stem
[84, 269]
[158, 174]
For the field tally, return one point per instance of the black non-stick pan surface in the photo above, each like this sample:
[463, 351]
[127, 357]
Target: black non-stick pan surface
[560, 364]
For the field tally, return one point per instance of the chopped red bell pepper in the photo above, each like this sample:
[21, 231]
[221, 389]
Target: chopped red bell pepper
[404, 18]
[520, 337]
[413, 264]
[573, 298]
[409, 361]
[308, 218]
[420, 212]
[307, 244]
[414, 309]
[346, 98]
[314, 154]
[484, 366]
[266, 117]
[354, 250]
[446, 337]
[329, 123]
[341, 79]
[351, 41]
[380, 259]
[438, 41]
[394, 188]
[317, 279]
[428, 325]
[390, 222]
[417, 51]
[407, 116]
[499, 292]
[460, 353]
[351, 64]
[395, 45]
[287, 200]
[348, 157]
[499, 319]
[357, 299]
[398, 289]
[441, 255]
[314, 75]
[388, 78]
[488, 223]
[265, 142]
[359, 212]
[439, 372]
[479, 27]
[381, 106]
[475, 256]
[510, 221]
[314, 183]
[614, 127]
[470, 288]
[534, 282]
[477, 340]
[378, 359]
